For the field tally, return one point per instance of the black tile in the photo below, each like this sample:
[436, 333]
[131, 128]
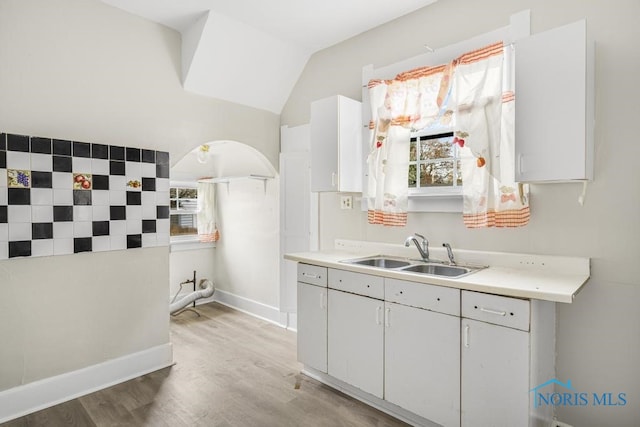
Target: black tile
[134, 198]
[148, 156]
[41, 145]
[61, 147]
[162, 171]
[62, 213]
[42, 230]
[133, 154]
[148, 184]
[100, 228]
[19, 196]
[81, 197]
[116, 153]
[41, 180]
[3, 214]
[134, 241]
[3, 141]
[116, 168]
[18, 143]
[99, 151]
[81, 149]
[3, 159]
[82, 244]
[100, 182]
[148, 225]
[62, 164]
[22, 248]
[162, 212]
[162, 158]
[118, 213]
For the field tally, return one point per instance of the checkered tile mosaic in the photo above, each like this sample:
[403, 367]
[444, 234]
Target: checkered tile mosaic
[61, 197]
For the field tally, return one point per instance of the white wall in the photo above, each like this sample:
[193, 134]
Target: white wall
[81, 70]
[598, 343]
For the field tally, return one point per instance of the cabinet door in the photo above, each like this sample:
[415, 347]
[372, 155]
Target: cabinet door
[356, 338]
[312, 326]
[422, 363]
[495, 375]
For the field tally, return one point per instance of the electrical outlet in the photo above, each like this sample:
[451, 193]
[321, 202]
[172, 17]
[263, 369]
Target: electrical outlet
[346, 202]
[556, 423]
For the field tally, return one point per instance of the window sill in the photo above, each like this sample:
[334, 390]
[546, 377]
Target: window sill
[189, 244]
[435, 203]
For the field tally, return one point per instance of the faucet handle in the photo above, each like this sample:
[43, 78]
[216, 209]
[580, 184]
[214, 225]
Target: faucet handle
[420, 236]
[452, 260]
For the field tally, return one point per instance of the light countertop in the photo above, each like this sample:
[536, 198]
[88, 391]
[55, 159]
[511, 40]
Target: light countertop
[549, 278]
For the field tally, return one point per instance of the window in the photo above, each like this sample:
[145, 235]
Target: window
[184, 211]
[434, 164]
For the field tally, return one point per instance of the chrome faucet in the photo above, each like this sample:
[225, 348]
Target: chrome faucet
[452, 260]
[423, 249]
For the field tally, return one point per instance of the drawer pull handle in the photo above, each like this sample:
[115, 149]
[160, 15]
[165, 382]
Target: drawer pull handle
[311, 276]
[490, 311]
[378, 312]
[386, 317]
[466, 336]
[322, 304]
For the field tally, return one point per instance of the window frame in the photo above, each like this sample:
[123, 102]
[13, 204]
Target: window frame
[183, 238]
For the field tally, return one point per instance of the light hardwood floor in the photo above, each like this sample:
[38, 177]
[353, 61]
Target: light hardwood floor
[231, 370]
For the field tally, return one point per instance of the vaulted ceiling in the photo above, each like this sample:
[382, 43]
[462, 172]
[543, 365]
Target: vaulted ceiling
[252, 52]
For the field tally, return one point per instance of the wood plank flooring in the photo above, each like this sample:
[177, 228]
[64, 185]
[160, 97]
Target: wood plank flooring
[231, 370]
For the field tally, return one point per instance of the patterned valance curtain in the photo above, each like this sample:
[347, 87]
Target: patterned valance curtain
[467, 92]
[207, 227]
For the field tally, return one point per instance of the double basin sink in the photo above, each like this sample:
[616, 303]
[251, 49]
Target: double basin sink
[432, 268]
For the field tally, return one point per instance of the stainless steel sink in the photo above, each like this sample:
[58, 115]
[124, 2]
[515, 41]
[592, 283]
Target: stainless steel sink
[438, 270]
[380, 262]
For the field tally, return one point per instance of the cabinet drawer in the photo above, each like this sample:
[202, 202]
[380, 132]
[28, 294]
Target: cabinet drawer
[431, 297]
[357, 283]
[499, 310]
[312, 274]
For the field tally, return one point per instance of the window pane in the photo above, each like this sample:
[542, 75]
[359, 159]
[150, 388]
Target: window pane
[187, 193]
[459, 173]
[187, 204]
[436, 149]
[183, 224]
[172, 193]
[413, 151]
[412, 176]
[436, 174]
[173, 205]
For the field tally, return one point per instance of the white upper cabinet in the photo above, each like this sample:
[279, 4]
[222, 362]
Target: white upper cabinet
[554, 80]
[336, 145]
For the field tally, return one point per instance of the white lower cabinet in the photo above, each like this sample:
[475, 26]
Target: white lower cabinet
[356, 338]
[312, 326]
[422, 362]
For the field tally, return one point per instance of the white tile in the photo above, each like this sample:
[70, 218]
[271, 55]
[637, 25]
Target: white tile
[162, 198]
[117, 198]
[149, 240]
[117, 183]
[20, 231]
[148, 170]
[82, 213]
[118, 228]
[149, 211]
[41, 162]
[101, 213]
[101, 244]
[4, 232]
[62, 197]
[162, 226]
[118, 242]
[134, 226]
[18, 160]
[62, 180]
[148, 198]
[163, 239]
[81, 165]
[3, 195]
[4, 251]
[133, 169]
[63, 230]
[42, 196]
[18, 213]
[42, 247]
[62, 246]
[134, 212]
[3, 177]
[42, 213]
[134, 179]
[82, 228]
[162, 184]
[100, 197]
[99, 167]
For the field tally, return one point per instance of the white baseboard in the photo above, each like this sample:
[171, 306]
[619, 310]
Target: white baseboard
[254, 308]
[25, 399]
